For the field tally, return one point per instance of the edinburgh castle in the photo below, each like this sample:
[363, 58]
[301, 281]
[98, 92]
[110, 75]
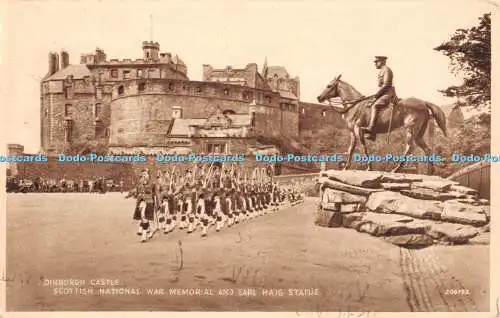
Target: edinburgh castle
[149, 105]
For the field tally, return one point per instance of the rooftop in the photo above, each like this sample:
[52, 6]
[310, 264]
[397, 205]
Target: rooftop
[79, 71]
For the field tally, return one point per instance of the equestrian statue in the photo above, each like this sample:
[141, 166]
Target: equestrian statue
[383, 112]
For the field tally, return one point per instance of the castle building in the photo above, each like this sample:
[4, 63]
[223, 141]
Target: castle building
[150, 105]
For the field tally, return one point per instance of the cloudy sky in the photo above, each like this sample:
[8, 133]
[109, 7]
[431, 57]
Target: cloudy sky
[315, 40]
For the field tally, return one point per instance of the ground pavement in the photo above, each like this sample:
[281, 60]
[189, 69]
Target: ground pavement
[91, 238]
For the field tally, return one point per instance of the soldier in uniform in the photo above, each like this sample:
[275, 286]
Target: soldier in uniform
[384, 96]
[162, 196]
[144, 210]
[217, 211]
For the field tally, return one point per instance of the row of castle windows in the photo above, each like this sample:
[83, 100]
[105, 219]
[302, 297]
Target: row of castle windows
[139, 73]
[248, 96]
[68, 92]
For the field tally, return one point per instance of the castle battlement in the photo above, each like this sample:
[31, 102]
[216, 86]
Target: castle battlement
[150, 43]
[118, 62]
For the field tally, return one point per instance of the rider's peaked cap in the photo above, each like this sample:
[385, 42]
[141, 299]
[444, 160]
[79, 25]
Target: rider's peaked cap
[380, 58]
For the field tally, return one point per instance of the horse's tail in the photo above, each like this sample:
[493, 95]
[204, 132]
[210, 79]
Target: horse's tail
[439, 116]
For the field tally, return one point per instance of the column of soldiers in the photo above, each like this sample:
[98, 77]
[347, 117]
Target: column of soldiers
[206, 196]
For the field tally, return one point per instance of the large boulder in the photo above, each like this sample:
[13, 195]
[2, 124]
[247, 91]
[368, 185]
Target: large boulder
[442, 185]
[337, 185]
[429, 194]
[456, 212]
[332, 195]
[400, 178]
[452, 233]
[389, 224]
[410, 240]
[396, 186]
[365, 179]
[394, 202]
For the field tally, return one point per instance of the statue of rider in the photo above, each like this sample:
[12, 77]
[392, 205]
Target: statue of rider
[384, 95]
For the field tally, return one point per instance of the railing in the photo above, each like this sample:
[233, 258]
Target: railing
[476, 176]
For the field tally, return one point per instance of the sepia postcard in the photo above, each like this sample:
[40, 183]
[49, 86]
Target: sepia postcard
[285, 157]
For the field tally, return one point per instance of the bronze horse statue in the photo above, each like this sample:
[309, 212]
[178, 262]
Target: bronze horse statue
[411, 113]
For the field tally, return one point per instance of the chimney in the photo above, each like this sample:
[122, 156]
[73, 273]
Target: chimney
[57, 62]
[52, 63]
[64, 59]
[207, 71]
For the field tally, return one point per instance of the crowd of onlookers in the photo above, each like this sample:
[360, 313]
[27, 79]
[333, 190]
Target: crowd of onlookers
[41, 184]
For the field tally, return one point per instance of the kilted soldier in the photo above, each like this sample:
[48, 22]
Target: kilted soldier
[217, 210]
[241, 202]
[275, 195]
[228, 207]
[248, 199]
[159, 189]
[201, 211]
[208, 218]
[144, 210]
[191, 204]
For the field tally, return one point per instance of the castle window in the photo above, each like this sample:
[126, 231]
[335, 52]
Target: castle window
[151, 73]
[97, 110]
[106, 132]
[171, 87]
[303, 111]
[323, 113]
[216, 148]
[46, 113]
[121, 90]
[141, 87]
[185, 87]
[199, 89]
[126, 74]
[68, 110]
[228, 112]
[114, 73]
[148, 55]
[101, 77]
[247, 95]
[140, 73]
[163, 74]
[68, 92]
[268, 99]
[226, 91]
[98, 93]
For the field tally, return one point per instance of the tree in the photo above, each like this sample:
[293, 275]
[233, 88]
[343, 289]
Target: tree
[469, 51]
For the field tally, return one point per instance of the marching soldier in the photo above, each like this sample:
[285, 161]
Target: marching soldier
[144, 211]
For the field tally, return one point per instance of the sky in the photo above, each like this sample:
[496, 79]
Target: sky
[314, 40]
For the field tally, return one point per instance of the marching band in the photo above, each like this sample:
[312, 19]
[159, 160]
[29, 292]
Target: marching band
[206, 196]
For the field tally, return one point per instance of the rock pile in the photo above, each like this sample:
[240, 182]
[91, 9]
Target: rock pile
[406, 210]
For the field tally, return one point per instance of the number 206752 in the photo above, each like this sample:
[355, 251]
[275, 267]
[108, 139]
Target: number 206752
[457, 292]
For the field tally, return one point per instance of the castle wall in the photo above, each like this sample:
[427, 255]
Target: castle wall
[313, 117]
[83, 102]
[141, 110]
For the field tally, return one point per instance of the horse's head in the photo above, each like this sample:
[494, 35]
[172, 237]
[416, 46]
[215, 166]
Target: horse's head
[331, 90]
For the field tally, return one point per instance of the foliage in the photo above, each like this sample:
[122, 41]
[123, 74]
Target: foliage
[469, 51]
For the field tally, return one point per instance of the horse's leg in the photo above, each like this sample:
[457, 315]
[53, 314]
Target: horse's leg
[419, 140]
[361, 137]
[410, 145]
[352, 145]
